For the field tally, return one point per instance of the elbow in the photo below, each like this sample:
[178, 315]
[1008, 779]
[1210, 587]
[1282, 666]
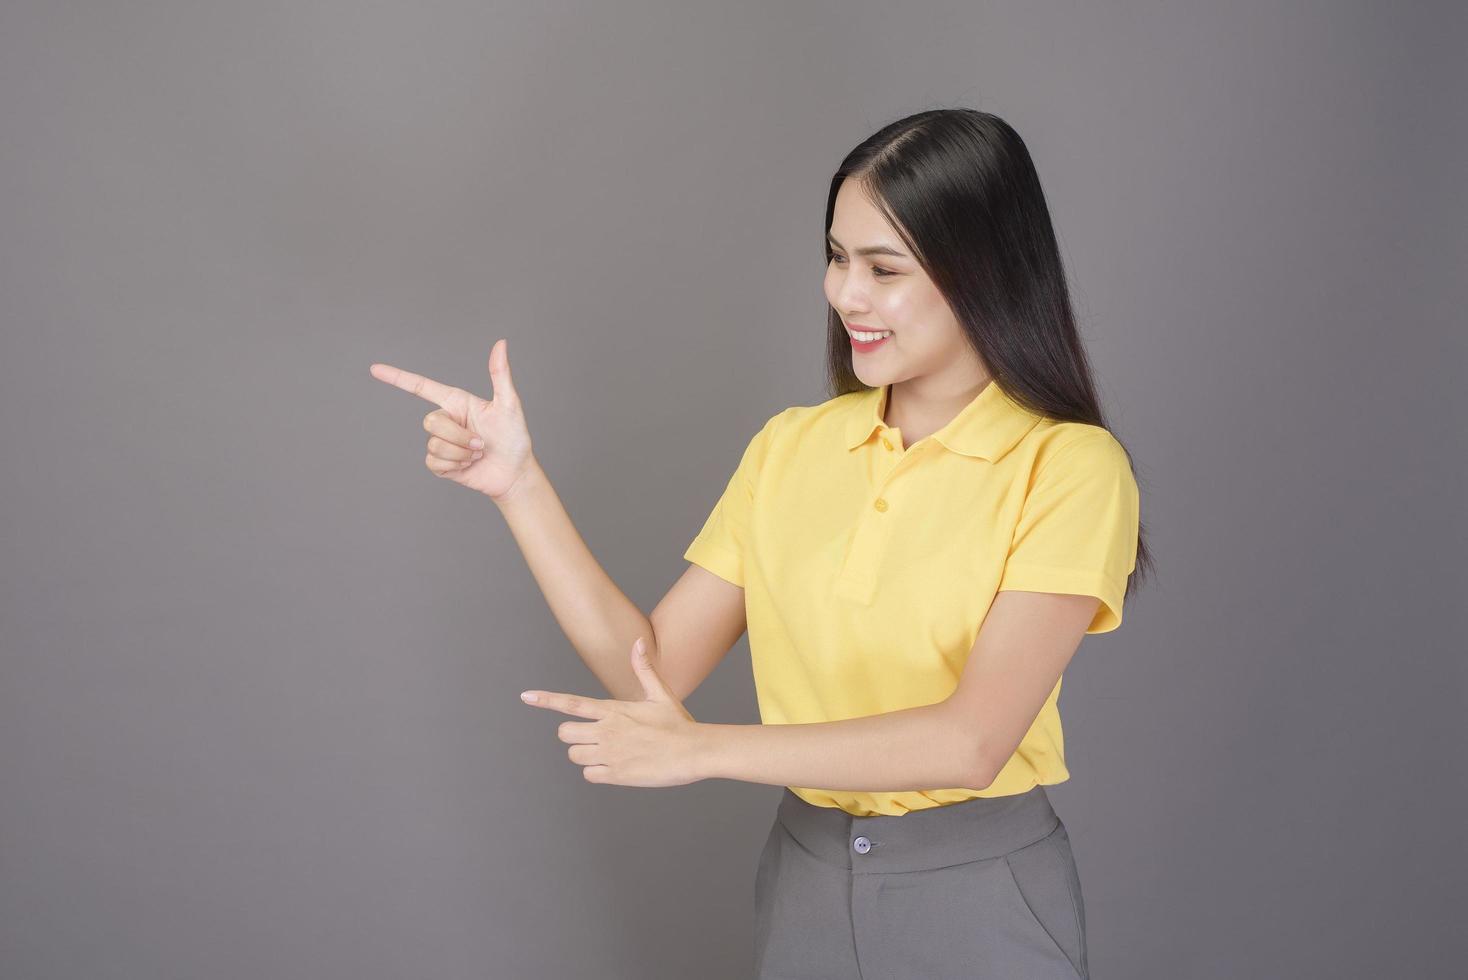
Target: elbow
[980, 775]
[976, 768]
[980, 770]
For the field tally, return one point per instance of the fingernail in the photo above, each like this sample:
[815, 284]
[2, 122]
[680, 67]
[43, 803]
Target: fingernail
[477, 455]
[529, 697]
[476, 443]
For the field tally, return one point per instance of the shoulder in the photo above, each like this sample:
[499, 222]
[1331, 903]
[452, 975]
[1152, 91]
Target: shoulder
[832, 408]
[798, 422]
[1068, 446]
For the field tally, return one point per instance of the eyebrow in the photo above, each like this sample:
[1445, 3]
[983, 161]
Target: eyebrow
[870, 249]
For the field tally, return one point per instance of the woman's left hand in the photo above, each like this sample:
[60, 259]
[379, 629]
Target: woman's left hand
[654, 742]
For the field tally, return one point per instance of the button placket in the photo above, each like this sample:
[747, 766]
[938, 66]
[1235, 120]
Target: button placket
[858, 579]
[880, 503]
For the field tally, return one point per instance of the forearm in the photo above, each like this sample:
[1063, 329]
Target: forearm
[927, 747]
[596, 616]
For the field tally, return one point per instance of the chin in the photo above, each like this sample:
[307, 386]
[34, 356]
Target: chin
[871, 378]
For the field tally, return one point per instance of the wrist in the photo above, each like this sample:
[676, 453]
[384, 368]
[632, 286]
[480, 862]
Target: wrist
[530, 476]
[707, 746]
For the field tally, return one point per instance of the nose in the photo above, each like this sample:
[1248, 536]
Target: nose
[850, 299]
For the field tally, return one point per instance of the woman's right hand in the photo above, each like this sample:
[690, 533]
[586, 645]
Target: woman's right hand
[462, 417]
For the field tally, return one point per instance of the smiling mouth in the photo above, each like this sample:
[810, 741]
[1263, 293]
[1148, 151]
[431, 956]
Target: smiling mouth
[868, 346]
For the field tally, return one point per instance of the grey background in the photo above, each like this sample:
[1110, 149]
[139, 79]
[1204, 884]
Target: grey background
[258, 708]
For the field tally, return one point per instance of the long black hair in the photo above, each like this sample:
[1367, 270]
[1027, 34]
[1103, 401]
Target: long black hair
[959, 187]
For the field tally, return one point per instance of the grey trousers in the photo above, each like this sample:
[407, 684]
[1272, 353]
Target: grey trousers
[985, 888]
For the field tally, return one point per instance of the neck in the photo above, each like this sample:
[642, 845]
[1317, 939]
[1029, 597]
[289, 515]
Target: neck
[921, 406]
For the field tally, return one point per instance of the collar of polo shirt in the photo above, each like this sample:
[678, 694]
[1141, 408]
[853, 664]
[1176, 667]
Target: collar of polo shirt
[987, 427]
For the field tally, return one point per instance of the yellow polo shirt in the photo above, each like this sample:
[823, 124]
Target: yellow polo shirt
[868, 568]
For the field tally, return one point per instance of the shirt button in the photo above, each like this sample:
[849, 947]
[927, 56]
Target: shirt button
[862, 845]
[886, 443]
[880, 504]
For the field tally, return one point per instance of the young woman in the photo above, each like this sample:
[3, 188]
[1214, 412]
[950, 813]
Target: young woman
[916, 559]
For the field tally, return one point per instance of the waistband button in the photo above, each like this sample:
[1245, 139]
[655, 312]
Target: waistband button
[862, 845]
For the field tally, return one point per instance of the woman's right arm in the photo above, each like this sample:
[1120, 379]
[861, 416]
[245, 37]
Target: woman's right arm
[700, 618]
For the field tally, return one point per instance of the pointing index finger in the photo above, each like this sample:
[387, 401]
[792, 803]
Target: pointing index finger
[427, 388]
[569, 704]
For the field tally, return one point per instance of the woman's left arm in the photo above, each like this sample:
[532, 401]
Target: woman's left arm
[926, 747]
[962, 741]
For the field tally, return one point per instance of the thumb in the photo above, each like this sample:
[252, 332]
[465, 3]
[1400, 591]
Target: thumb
[499, 372]
[652, 684]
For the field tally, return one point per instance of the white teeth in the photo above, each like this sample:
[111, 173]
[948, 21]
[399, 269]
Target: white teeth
[867, 338]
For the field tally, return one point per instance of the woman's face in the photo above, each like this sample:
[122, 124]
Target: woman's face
[889, 292]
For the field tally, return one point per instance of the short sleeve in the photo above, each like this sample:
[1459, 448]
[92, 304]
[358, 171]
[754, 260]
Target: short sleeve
[722, 543]
[1077, 531]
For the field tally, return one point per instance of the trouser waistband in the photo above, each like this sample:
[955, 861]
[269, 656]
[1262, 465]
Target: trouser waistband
[954, 833]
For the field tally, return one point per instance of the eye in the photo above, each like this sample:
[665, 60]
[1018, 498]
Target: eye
[877, 270]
